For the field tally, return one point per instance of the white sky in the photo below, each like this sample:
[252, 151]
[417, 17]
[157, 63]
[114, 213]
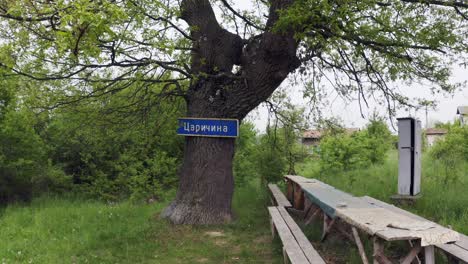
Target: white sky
[350, 114]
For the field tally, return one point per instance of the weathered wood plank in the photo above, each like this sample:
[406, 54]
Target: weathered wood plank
[281, 200]
[463, 242]
[291, 247]
[455, 250]
[309, 251]
[298, 179]
[329, 199]
[458, 249]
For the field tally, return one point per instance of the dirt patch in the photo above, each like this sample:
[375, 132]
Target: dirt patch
[220, 242]
[202, 260]
[215, 234]
[263, 240]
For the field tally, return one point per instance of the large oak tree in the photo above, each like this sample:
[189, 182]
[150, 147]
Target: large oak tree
[225, 61]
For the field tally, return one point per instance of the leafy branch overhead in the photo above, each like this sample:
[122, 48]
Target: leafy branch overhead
[358, 47]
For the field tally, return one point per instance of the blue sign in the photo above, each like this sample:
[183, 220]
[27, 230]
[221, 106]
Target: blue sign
[208, 127]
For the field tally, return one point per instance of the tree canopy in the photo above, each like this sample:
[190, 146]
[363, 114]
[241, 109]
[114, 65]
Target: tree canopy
[224, 61]
[104, 46]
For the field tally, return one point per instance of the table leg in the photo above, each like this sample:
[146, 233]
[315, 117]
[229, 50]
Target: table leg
[362, 252]
[327, 225]
[298, 197]
[379, 256]
[412, 254]
[312, 216]
[290, 194]
[429, 256]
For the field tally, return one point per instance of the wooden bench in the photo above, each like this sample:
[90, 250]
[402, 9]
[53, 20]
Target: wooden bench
[278, 196]
[297, 249]
[456, 252]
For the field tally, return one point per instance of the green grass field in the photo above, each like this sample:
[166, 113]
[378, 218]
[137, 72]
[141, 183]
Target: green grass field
[73, 231]
[59, 230]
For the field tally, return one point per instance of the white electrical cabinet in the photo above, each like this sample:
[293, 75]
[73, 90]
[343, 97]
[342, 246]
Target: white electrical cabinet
[409, 155]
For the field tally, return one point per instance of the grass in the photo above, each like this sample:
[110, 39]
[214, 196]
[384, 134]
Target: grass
[53, 230]
[58, 230]
[442, 201]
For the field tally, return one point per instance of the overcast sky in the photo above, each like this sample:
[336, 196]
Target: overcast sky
[349, 112]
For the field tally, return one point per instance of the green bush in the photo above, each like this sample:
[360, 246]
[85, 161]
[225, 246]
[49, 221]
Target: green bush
[451, 152]
[342, 151]
[24, 166]
[245, 164]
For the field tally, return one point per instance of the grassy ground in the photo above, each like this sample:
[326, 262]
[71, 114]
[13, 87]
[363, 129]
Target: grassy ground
[57, 230]
[72, 231]
[443, 201]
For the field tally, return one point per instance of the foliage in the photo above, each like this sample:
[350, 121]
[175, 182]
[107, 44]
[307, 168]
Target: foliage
[279, 149]
[342, 151]
[452, 151]
[117, 156]
[245, 163]
[107, 147]
[24, 165]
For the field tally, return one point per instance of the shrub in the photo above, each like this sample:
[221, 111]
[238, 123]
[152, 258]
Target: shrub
[452, 151]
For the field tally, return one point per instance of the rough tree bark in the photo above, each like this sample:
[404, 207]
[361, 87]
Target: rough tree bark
[206, 178]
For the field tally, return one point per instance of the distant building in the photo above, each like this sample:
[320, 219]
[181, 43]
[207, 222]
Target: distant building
[313, 137]
[462, 111]
[434, 134]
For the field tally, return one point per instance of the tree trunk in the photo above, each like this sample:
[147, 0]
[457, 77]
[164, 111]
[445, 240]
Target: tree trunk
[206, 182]
[206, 177]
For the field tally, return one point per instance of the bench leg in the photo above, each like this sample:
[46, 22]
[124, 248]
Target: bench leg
[429, 256]
[285, 256]
[273, 228]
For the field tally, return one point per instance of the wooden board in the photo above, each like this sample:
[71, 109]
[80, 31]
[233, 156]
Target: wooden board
[459, 249]
[329, 198]
[463, 242]
[309, 251]
[292, 248]
[455, 250]
[281, 200]
[297, 179]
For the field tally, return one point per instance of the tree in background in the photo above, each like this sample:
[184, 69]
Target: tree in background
[345, 151]
[87, 49]
[379, 139]
[25, 169]
[452, 151]
[279, 149]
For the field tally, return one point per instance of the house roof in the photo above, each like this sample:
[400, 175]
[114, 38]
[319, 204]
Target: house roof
[436, 131]
[462, 110]
[317, 134]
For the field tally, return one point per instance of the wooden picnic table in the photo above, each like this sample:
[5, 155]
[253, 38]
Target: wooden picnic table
[380, 222]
